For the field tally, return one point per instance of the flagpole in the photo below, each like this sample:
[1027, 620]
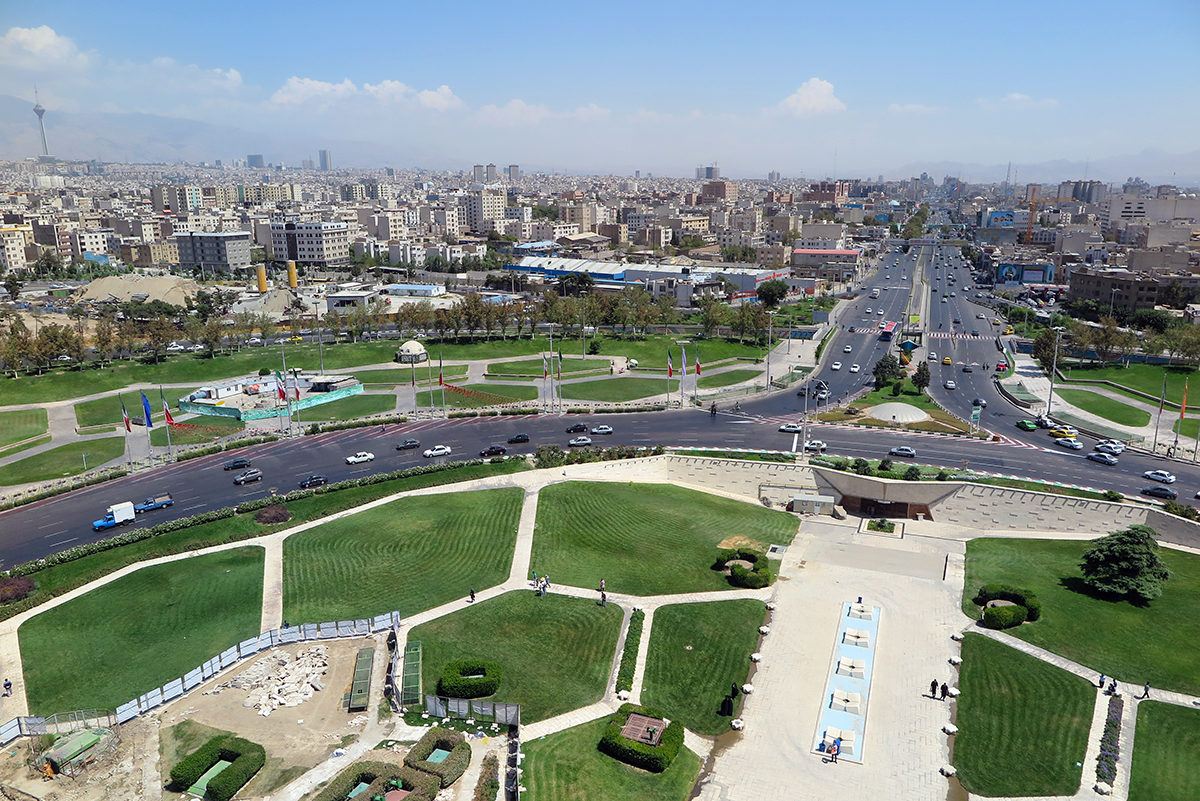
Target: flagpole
[551, 374]
[429, 373]
[1158, 417]
[668, 376]
[287, 404]
[1182, 411]
[170, 447]
[442, 383]
[149, 444]
[125, 420]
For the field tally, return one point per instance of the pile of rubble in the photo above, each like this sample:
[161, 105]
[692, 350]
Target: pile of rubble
[279, 679]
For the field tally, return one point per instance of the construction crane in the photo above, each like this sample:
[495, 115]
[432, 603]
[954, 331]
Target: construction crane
[1033, 204]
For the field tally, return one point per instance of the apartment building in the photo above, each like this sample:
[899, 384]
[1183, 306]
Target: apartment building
[178, 198]
[214, 251]
[720, 190]
[12, 247]
[484, 206]
[320, 244]
[149, 254]
[554, 230]
[93, 240]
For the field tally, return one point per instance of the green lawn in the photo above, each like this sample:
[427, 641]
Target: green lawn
[1189, 427]
[616, 390]
[688, 670]
[189, 368]
[1022, 723]
[556, 652]
[1132, 643]
[500, 394]
[1166, 754]
[127, 637]
[21, 424]
[65, 460]
[409, 555]
[33, 443]
[196, 430]
[404, 375]
[1120, 413]
[1145, 378]
[726, 378]
[566, 766]
[176, 742]
[570, 364]
[59, 578]
[909, 394]
[643, 539]
[99, 411]
[651, 351]
[359, 405]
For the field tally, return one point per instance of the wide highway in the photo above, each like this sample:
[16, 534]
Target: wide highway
[36, 530]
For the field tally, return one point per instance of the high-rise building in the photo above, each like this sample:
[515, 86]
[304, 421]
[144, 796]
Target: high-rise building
[484, 206]
[325, 160]
[773, 175]
[478, 174]
[223, 251]
[712, 173]
[255, 160]
[321, 244]
[514, 172]
[492, 175]
[41, 113]
[178, 198]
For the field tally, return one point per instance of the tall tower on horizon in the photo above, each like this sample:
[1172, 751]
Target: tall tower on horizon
[41, 112]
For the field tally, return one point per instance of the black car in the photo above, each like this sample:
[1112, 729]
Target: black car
[980, 402]
[316, 480]
[1161, 492]
[237, 464]
[515, 438]
[577, 428]
[408, 445]
[494, 450]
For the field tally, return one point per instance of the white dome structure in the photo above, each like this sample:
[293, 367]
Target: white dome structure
[411, 352]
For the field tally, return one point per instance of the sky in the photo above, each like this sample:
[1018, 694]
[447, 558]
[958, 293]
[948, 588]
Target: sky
[809, 89]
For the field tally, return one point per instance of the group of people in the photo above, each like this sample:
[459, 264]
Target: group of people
[934, 689]
[541, 584]
[1111, 689]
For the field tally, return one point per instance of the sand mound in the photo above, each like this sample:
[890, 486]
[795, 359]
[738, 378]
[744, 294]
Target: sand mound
[167, 288]
[899, 412]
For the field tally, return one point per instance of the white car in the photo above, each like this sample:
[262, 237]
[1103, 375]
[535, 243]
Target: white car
[848, 349]
[1160, 475]
[254, 341]
[791, 428]
[854, 368]
[868, 310]
[880, 312]
[602, 430]
[933, 357]
[835, 366]
[1102, 458]
[815, 445]
[579, 442]
[360, 457]
[902, 450]
[950, 385]
[1067, 442]
[175, 347]
[1113, 446]
[437, 450]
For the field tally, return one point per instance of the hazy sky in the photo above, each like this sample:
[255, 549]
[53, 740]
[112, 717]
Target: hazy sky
[616, 86]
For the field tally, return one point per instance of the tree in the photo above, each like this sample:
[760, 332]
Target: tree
[772, 292]
[103, 334]
[887, 370]
[712, 315]
[1043, 348]
[12, 285]
[1126, 563]
[922, 379]
[913, 473]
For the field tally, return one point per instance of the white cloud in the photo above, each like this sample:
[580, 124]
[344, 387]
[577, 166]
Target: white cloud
[306, 90]
[440, 99]
[514, 112]
[591, 112]
[40, 48]
[815, 96]
[1016, 101]
[911, 108]
[388, 91]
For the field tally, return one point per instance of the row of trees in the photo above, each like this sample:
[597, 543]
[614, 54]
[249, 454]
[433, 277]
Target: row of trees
[1108, 342]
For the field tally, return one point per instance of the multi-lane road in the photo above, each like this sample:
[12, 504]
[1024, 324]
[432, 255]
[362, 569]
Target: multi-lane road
[33, 531]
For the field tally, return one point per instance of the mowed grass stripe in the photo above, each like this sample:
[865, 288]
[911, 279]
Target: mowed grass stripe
[697, 651]
[65, 460]
[556, 652]
[22, 424]
[142, 630]
[409, 555]
[643, 539]
[1166, 754]
[1023, 723]
[566, 766]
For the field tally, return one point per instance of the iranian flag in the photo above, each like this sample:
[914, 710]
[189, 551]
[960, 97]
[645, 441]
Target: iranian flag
[697, 363]
[545, 367]
[279, 386]
[683, 362]
[670, 366]
[166, 409]
[125, 416]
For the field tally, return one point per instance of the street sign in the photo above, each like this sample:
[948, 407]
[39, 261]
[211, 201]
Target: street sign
[975, 415]
[914, 319]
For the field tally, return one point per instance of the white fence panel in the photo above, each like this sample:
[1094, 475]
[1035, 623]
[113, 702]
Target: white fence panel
[150, 699]
[326, 631]
[248, 647]
[290, 634]
[345, 628]
[172, 689]
[381, 622]
[228, 657]
[192, 678]
[128, 711]
[268, 639]
[212, 667]
[311, 631]
[10, 731]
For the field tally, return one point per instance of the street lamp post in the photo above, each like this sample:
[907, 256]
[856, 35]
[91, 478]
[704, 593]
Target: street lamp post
[85, 456]
[1058, 329]
[770, 321]
[582, 324]
[320, 334]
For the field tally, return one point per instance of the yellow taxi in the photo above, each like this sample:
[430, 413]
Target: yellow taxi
[1063, 433]
[295, 339]
[947, 360]
[1008, 330]
[995, 322]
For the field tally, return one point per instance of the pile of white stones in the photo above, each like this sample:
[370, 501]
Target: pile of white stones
[279, 679]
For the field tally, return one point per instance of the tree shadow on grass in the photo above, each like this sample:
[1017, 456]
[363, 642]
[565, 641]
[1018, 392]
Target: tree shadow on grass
[1077, 585]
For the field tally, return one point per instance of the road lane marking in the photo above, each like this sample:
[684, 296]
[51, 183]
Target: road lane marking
[55, 534]
[64, 542]
[195, 506]
[795, 439]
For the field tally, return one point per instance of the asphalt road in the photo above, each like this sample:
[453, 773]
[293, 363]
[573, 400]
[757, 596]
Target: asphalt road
[34, 531]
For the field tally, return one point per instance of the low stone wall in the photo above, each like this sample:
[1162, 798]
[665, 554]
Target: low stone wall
[988, 507]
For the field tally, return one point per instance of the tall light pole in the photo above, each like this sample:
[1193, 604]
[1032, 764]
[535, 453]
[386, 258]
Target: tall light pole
[320, 334]
[1058, 329]
[582, 324]
[770, 321]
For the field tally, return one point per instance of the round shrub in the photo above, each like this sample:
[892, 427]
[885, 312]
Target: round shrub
[14, 588]
[1005, 592]
[1003, 617]
[275, 513]
[762, 575]
[469, 678]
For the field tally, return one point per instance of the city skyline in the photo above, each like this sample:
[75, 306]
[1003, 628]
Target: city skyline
[864, 95]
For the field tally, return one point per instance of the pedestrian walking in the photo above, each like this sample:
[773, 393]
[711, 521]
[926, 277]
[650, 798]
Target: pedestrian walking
[945, 691]
[601, 585]
[7, 687]
[933, 688]
[472, 595]
[834, 750]
[1145, 690]
[1112, 686]
[1102, 680]
[603, 598]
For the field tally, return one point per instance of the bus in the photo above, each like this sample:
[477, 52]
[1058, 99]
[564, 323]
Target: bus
[887, 331]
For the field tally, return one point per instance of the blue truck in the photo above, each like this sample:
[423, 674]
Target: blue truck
[116, 515]
[154, 502]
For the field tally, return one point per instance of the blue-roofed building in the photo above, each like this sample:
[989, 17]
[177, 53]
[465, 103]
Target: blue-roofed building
[555, 267]
[533, 248]
[415, 290]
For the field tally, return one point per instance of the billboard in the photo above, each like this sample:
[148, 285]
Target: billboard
[1013, 274]
[999, 219]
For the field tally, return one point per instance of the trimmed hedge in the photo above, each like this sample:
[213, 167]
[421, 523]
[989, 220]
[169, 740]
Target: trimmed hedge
[630, 654]
[457, 682]
[763, 574]
[1005, 592]
[654, 758]
[96, 478]
[488, 785]
[379, 776]
[1004, 617]
[452, 767]
[228, 446]
[247, 759]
